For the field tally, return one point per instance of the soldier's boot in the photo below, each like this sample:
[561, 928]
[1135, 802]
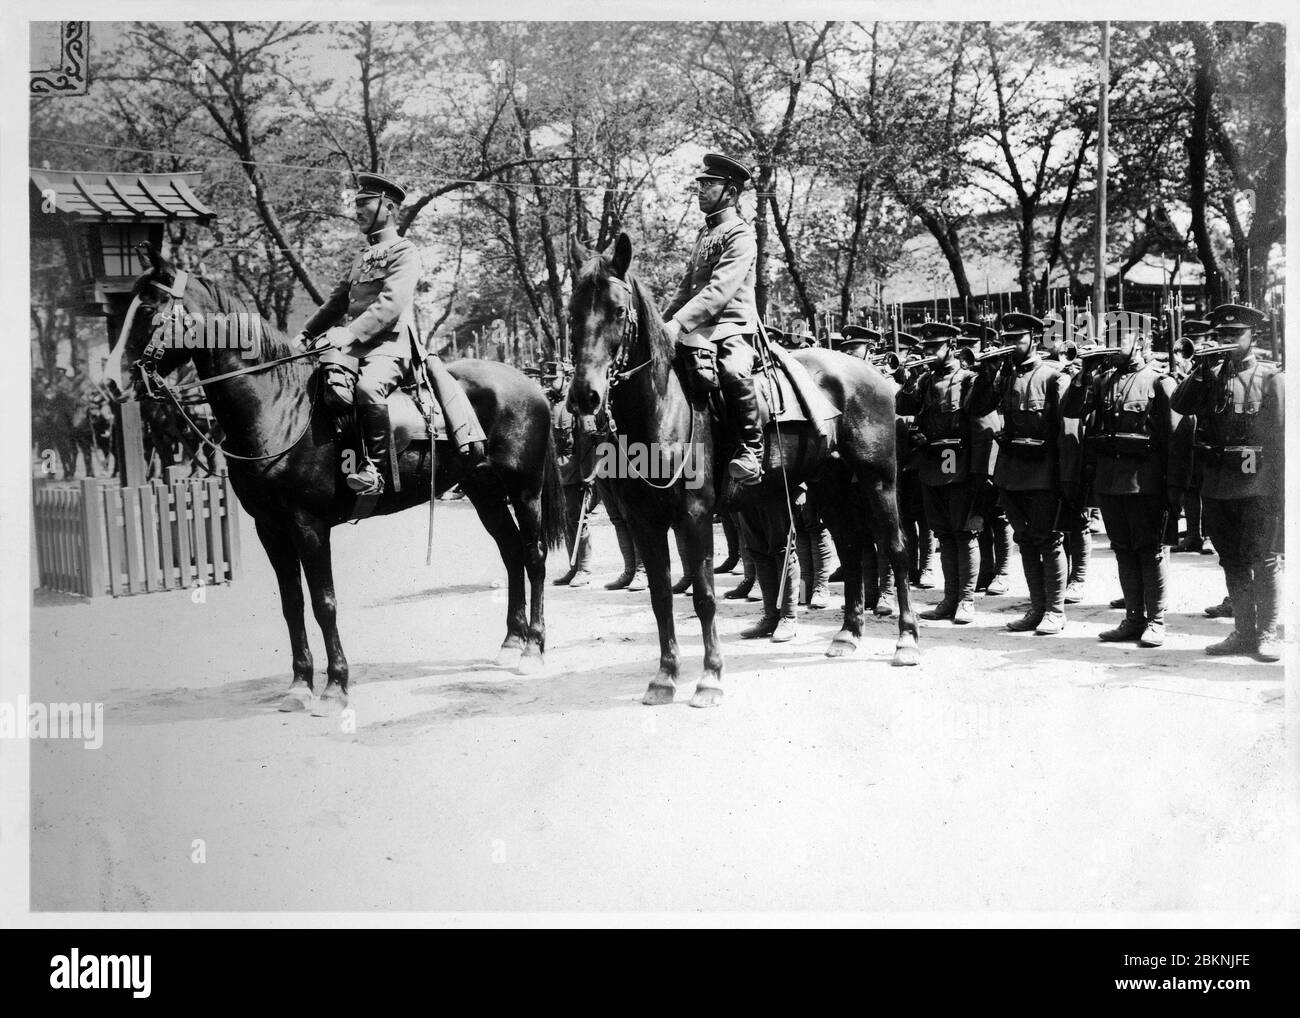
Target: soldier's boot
[947, 607]
[582, 564]
[1222, 610]
[803, 550]
[1119, 602]
[1268, 592]
[1079, 546]
[822, 557]
[372, 419]
[1155, 595]
[887, 603]
[627, 548]
[837, 576]
[1130, 581]
[746, 467]
[733, 544]
[570, 536]
[786, 627]
[1244, 639]
[684, 584]
[765, 626]
[1001, 557]
[741, 590]
[966, 551]
[1031, 561]
[1054, 573]
[924, 557]
[1095, 524]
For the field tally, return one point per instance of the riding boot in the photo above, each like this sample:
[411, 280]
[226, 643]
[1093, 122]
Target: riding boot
[984, 546]
[822, 556]
[1079, 547]
[729, 531]
[1131, 582]
[997, 584]
[372, 419]
[741, 590]
[1031, 560]
[1155, 582]
[1268, 592]
[966, 549]
[628, 550]
[1053, 592]
[1244, 639]
[803, 550]
[684, 584]
[582, 565]
[767, 578]
[746, 466]
[948, 561]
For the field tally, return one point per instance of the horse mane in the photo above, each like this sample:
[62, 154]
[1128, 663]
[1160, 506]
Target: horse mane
[274, 343]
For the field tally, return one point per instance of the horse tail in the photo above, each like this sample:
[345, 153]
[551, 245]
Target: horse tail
[554, 526]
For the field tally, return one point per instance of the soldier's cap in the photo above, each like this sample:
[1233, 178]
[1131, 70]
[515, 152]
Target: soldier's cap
[1235, 316]
[719, 167]
[1196, 327]
[1130, 321]
[977, 330]
[936, 333]
[905, 340]
[1017, 323]
[853, 333]
[371, 185]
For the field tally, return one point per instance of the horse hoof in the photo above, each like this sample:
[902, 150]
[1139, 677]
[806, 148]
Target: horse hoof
[529, 664]
[843, 644]
[658, 695]
[297, 699]
[508, 657]
[331, 704]
[707, 696]
[906, 652]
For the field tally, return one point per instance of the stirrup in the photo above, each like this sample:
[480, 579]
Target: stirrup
[367, 481]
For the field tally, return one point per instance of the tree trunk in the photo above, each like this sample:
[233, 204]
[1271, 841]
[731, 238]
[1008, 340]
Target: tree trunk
[1198, 155]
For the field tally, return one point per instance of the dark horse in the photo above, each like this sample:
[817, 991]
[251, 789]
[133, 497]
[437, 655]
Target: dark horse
[622, 355]
[289, 481]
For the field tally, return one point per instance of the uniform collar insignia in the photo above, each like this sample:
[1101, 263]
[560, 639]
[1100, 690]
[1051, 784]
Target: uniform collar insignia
[385, 236]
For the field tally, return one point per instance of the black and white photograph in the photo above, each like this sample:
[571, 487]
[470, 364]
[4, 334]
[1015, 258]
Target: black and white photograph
[512, 464]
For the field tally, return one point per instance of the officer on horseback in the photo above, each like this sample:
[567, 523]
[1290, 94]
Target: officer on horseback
[378, 297]
[714, 306]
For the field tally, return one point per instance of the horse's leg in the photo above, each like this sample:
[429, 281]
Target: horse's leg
[844, 519]
[528, 511]
[311, 539]
[490, 504]
[652, 540]
[882, 503]
[695, 542]
[284, 560]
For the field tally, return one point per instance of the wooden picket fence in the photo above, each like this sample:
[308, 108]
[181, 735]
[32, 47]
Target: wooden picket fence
[96, 538]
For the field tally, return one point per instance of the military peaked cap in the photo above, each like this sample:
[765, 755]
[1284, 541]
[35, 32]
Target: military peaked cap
[1235, 316]
[976, 330]
[370, 185]
[854, 332]
[934, 333]
[720, 167]
[1017, 323]
[1196, 327]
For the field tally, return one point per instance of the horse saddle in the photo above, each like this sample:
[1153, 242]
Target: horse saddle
[788, 395]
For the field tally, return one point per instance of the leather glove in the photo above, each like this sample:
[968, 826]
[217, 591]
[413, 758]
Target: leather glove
[300, 342]
[340, 338]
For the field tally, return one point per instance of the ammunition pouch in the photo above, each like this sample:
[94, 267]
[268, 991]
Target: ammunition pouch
[697, 361]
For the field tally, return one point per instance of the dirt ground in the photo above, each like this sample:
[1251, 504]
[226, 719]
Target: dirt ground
[1006, 773]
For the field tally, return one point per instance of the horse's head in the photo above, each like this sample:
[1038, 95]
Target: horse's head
[152, 331]
[604, 317]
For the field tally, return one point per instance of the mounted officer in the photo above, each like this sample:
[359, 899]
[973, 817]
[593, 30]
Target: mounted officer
[1138, 451]
[377, 296]
[714, 306]
[1028, 474]
[1240, 407]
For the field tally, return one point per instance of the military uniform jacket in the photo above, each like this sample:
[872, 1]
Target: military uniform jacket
[1241, 418]
[1132, 436]
[715, 298]
[1029, 446]
[943, 420]
[377, 296]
